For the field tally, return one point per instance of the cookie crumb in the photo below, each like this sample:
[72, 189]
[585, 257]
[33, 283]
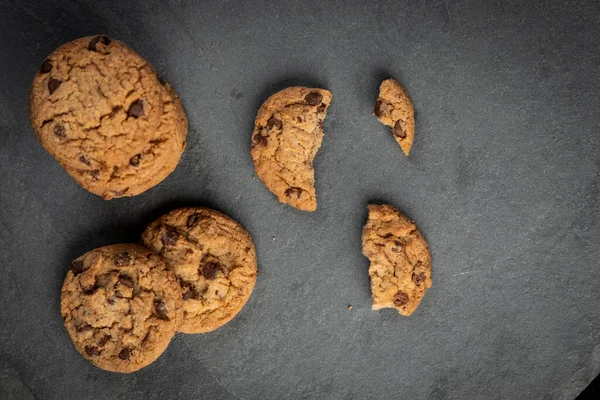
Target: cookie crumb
[349, 307]
[273, 238]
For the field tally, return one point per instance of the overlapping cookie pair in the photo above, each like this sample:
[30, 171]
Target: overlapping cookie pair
[122, 304]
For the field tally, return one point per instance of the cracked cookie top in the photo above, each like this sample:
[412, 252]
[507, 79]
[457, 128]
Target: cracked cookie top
[121, 306]
[394, 109]
[400, 262]
[288, 132]
[214, 260]
[101, 110]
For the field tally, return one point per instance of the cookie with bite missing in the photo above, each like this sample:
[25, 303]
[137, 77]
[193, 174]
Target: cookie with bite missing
[121, 306]
[288, 132]
[214, 260]
[102, 112]
[394, 109]
[400, 261]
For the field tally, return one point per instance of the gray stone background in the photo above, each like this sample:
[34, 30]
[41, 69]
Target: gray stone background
[503, 180]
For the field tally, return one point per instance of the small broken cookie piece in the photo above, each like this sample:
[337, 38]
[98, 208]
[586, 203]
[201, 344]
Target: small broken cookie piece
[400, 261]
[121, 306]
[214, 260]
[288, 132]
[394, 109]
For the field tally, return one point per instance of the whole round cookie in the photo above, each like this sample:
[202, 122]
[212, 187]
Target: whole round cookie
[400, 269]
[101, 110]
[288, 132]
[121, 306]
[214, 260]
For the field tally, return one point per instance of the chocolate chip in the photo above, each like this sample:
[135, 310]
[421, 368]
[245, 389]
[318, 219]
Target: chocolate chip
[400, 298]
[77, 267]
[160, 309]
[260, 139]
[418, 278]
[321, 108]
[105, 40]
[274, 123]
[193, 220]
[210, 269]
[84, 160]
[121, 192]
[294, 191]
[191, 292]
[313, 98]
[104, 340]
[398, 129]
[161, 80]
[122, 259]
[125, 354]
[46, 66]
[125, 281]
[136, 109]
[60, 131]
[53, 84]
[83, 328]
[95, 174]
[378, 111]
[170, 236]
[299, 119]
[398, 247]
[135, 160]
[388, 235]
[110, 301]
[92, 351]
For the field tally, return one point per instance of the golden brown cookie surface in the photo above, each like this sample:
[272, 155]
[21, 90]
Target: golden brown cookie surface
[214, 260]
[102, 112]
[394, 109]
[288, 132]
[121, 306]
[400, 261]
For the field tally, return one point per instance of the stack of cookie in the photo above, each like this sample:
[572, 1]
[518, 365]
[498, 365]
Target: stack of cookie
[122, 304]
[119, 129]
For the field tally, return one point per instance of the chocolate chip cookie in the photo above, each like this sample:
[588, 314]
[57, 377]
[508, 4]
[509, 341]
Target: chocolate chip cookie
[121, 306]
[214, 260]
[101, 110]
[287, 134]
[394, 109]
[400, 269]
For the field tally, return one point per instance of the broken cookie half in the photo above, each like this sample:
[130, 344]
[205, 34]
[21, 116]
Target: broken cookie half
[288, 132]
[400, 261]
[394, 109]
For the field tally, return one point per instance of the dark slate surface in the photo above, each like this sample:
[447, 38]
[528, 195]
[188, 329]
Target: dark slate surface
[503, 180]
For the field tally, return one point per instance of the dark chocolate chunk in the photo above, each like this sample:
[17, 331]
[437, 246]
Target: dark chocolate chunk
[418, 278]
[60, 131]
[260, 139]
[192, 220]
[398, 129]
[104, 340]
[136, 109]
[77, 267]
[294, 191]
[321, 108]
[46, 66]
[400, 298]
[210, 269]
[378, 111]
[125, 353]
[160, 310]
[53, 84]
[105, 40]
[84, 160]
[135, 160]
[313, 98]
[169, 236]
[83, 328]
[122, 259]
[274, 123]
[125, 281]
[92, 351]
